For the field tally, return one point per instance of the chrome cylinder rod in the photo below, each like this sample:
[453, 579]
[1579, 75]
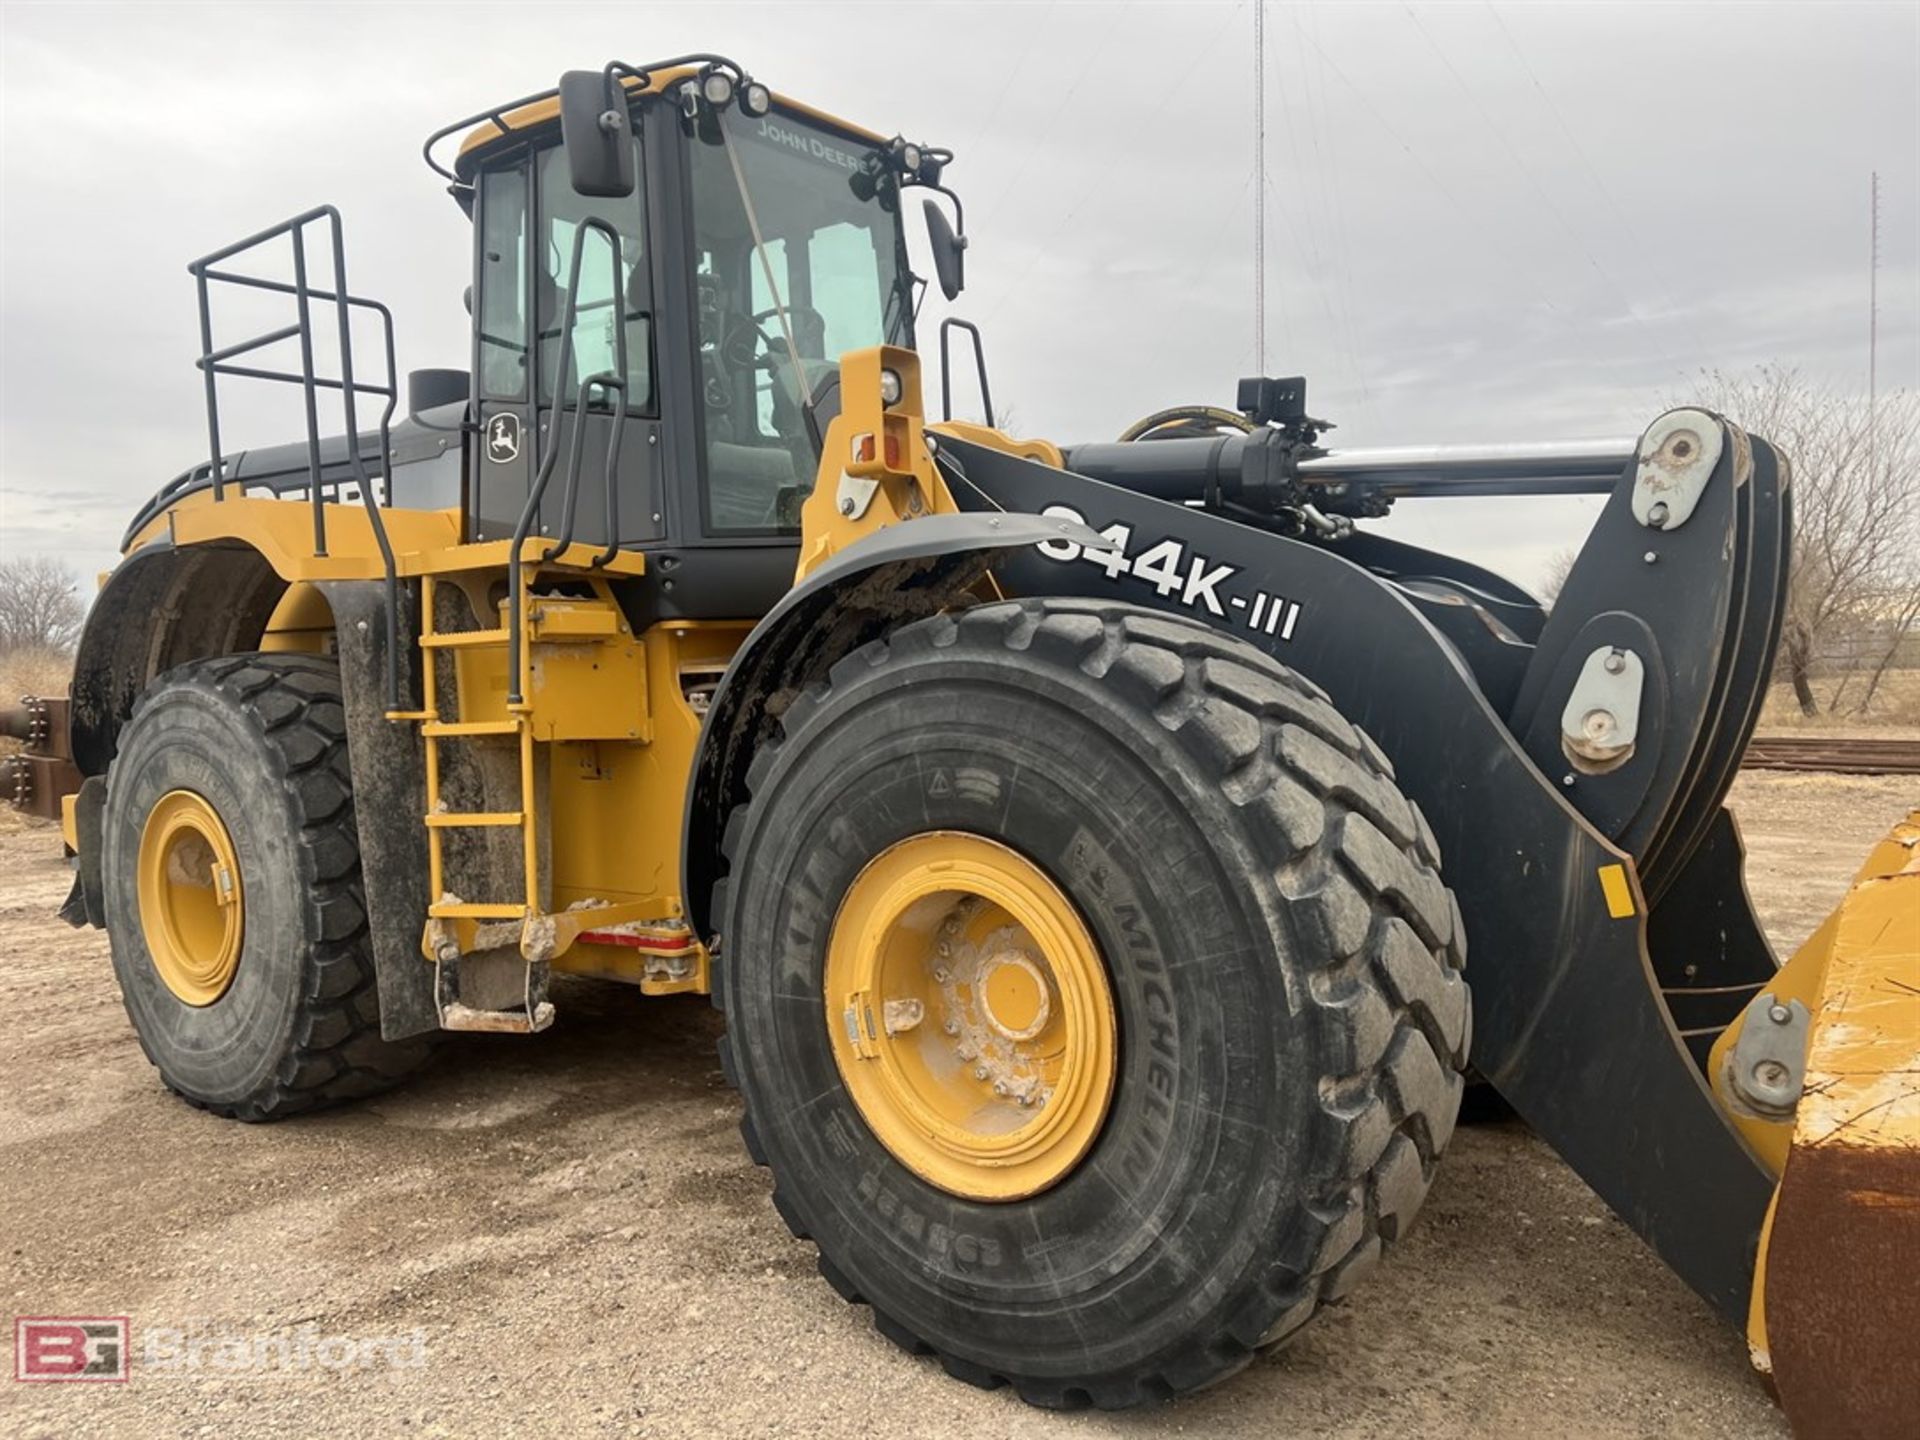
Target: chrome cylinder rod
[1564, 467]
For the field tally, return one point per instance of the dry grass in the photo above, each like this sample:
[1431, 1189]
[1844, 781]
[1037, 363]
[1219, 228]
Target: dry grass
[1896, 707]
[33, 671]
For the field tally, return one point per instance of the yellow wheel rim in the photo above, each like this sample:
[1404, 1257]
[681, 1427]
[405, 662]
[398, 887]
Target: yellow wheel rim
[970, 1016]
[192, 911]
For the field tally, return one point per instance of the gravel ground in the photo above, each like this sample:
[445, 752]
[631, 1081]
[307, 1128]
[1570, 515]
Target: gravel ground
[569, 1231]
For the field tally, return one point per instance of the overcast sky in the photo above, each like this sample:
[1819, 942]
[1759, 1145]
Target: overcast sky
[1485, 222]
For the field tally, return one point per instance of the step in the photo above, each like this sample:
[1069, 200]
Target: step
[446, 729]
[456, 639]
[497, 1022]
[474, 819]
[462, 910]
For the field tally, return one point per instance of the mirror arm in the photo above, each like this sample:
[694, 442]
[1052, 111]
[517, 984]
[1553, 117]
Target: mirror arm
[959, 211]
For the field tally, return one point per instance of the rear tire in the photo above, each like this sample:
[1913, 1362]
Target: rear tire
[261, 740]
[1283, 959]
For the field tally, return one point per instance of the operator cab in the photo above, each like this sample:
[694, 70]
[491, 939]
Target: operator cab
[758, 242]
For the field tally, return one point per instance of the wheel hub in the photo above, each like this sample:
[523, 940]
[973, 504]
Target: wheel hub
[192, 908]
[971, 1016]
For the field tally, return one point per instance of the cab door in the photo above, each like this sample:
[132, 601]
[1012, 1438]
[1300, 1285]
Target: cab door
[527, 222]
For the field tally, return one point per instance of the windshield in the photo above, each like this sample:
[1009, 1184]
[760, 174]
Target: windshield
[835, 262]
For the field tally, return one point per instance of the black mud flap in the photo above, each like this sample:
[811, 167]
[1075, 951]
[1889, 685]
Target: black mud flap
[86, 902]
[390, 806]
[1569, 1021]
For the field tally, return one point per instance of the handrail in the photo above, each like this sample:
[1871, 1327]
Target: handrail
[215, 362]
[535, 492]
[953, 322]
[496, 115]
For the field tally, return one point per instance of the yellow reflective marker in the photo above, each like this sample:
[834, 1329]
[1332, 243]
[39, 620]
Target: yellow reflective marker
[1613, 884]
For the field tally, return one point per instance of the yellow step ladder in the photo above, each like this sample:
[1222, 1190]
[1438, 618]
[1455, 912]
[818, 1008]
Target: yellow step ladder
[451, 921]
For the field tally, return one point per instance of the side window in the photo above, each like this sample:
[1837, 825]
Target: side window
[503, 285]
[607, 300]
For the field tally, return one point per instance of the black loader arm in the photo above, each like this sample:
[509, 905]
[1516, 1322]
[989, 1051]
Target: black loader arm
[1570, 1021]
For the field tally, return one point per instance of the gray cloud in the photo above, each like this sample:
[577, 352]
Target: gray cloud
[1503, 222]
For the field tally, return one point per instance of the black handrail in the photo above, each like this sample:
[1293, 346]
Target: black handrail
[496, 115]
[617, 381]
[215, 362]
[980, 366]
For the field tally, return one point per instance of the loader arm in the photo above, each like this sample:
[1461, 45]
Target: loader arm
[1570, 1024]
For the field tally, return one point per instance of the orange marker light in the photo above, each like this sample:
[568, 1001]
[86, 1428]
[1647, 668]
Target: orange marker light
[863, 449]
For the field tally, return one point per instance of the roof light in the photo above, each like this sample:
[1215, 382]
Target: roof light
[717, 87]
[755, 98]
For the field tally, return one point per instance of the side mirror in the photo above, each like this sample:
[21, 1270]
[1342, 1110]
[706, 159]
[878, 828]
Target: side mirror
[949, 252]
[593, 126]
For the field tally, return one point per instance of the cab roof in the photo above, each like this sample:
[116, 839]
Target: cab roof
[546, 111]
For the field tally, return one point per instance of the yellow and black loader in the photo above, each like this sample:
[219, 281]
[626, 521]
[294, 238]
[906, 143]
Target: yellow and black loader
[1109, 858]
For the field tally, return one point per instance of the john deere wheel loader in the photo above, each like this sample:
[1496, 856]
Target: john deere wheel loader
[1092, 847]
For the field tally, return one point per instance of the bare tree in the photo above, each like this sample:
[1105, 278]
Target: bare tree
[1856, 512]
[40, 605]
[1554, 580]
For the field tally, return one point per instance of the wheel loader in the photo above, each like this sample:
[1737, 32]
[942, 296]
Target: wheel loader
[1112, 859]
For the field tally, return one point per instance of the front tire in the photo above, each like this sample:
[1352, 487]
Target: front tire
[1283, 961]
[231, 866]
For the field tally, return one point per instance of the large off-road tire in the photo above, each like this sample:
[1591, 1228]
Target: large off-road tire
[1283, 961]
[231, 779]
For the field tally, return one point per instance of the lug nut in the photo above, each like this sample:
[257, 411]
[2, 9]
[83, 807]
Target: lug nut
[979, 1072]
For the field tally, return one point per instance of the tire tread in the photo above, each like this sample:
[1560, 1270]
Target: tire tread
[1356, 858]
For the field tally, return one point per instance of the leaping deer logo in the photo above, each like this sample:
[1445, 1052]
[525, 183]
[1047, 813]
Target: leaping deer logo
[503, 438]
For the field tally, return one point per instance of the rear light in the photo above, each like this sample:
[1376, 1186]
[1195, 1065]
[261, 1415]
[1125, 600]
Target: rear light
[864, 448]
[893, 451]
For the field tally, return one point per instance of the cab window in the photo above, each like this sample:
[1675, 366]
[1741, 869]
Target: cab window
[609, 298]
[502, 321]
[831, 260]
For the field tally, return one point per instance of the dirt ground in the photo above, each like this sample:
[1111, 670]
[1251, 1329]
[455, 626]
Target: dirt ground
[569, 1238]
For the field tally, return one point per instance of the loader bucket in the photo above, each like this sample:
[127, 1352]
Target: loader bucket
[1836, 1300]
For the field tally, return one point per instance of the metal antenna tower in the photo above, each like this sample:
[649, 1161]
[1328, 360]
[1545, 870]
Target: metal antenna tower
[1873, 297]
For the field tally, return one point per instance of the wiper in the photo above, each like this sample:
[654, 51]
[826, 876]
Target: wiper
[899, 304]
[766, 268]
